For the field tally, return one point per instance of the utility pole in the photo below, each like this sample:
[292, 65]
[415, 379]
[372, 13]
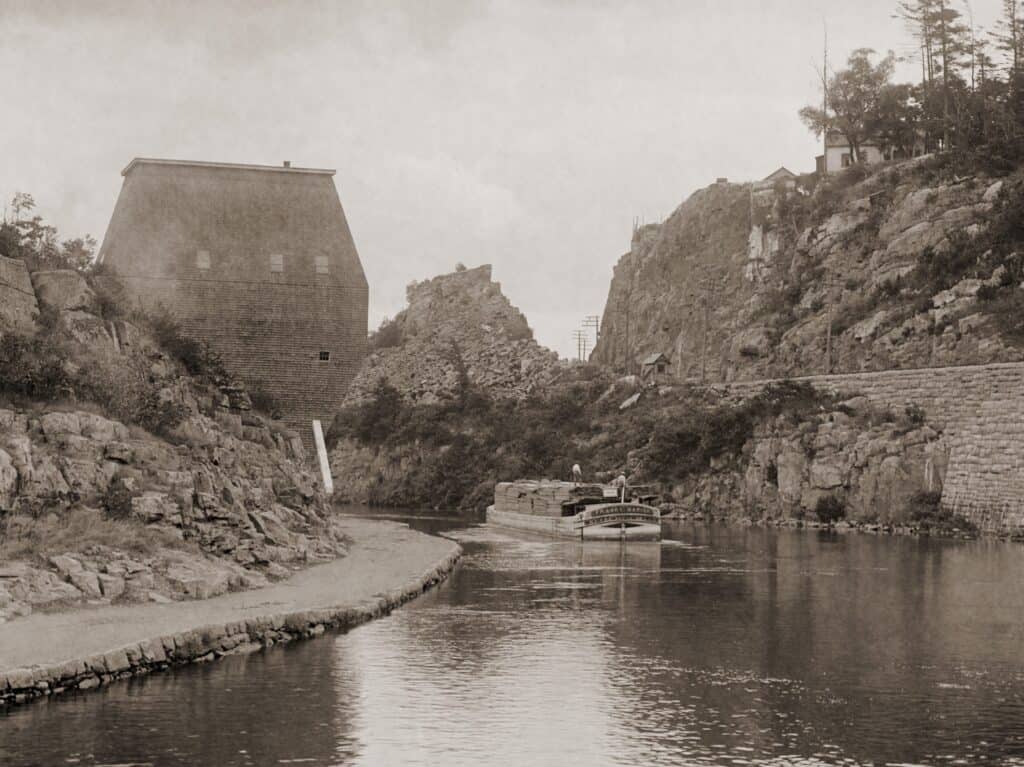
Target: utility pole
[824, 101]
[593, 322]
[710, 277]
[627, 362]
[831, 283]
[580, 337]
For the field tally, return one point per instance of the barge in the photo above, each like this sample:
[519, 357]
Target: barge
[569, 510]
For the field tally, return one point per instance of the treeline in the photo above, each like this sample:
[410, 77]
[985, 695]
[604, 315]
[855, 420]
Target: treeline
[25, 236]
[970, 93]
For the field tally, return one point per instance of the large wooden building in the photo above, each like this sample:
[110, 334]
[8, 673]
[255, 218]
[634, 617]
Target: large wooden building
[257, 260]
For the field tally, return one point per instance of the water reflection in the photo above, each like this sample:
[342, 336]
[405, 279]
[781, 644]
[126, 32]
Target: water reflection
[718, 646]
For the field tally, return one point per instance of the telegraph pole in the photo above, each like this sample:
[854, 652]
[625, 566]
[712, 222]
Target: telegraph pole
[830, 284]
[627, 365]
[593, 322]
[710, 277]
[580, 337]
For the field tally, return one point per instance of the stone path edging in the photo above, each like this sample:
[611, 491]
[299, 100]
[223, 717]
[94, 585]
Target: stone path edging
[210, 642]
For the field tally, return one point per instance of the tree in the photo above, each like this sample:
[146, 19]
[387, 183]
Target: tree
[1009, 38]
[899, 119]
[853, 103]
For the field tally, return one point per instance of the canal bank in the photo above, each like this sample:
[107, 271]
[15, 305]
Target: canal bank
[387, 565]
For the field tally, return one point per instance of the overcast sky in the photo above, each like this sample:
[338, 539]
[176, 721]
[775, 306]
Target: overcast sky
[526, 134]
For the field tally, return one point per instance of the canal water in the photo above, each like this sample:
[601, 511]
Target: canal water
[718, 646]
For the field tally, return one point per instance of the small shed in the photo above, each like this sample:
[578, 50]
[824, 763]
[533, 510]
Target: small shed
[655, 367]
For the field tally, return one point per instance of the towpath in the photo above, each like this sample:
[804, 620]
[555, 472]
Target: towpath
[384, 556]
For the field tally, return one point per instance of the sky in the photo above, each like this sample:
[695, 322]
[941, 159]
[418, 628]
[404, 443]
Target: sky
[526, 134]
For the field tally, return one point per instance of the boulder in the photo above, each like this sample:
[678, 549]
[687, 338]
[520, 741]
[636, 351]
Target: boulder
[64, 290]
[112, 586]
[87, 582]
[154, 506]
[197, 581]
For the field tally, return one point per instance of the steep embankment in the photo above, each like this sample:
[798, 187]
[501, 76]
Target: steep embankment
[914, 266]
[122, 477]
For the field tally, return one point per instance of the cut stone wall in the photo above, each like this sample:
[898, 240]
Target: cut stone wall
[980, 408]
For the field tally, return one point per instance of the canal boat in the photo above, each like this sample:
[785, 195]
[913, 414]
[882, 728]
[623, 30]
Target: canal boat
[572, 510]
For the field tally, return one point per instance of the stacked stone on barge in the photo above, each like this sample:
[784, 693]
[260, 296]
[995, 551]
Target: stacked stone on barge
[572, 510]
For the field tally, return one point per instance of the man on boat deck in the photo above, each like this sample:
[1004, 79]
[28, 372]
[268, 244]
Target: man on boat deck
[577, 473]
[620, 482]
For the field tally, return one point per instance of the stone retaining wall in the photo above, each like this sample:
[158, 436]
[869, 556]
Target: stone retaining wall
[208, 642]
[980, 409]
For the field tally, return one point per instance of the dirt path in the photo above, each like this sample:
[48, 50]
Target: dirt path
[382, 568]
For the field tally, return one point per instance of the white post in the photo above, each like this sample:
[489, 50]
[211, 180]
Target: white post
[321, 452]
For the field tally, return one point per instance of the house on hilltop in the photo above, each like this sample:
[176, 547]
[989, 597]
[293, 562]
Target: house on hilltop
[258, 261]
[783, 177]
[839, 155]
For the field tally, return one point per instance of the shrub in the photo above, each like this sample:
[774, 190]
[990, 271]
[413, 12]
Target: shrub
[34, 366]
[914, 413]
[387, 336]
[373, 422]
[925, 511]
[1007, 311]
[196, 356]
[263, 399]
[988, 292]
[829, 509]
[111, 298]
[117, 500]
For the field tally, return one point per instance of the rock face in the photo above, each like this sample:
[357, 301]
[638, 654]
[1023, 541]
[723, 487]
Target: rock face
[747, 278]
[222, 501]
[871, 466]
[246, 504]
[458, 323]
[18, 306]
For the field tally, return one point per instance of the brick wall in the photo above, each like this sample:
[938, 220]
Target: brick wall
[981, 411]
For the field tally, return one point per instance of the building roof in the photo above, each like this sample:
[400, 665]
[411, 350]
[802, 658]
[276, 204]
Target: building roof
[781, 173]
[653, 359]
[285, 168]
[168, 210]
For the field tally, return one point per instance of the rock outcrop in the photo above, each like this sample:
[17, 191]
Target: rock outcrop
[220, 500]
[456, 325]
[871, 464]
[743, 282]
[18, 306]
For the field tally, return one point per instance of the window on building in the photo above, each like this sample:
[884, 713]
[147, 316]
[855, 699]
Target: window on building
[847, 159]
[321, 265]
[325, 356]
[276, 262]
[202, 259]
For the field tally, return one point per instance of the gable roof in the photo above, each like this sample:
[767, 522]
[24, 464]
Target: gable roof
[240, 214]
[653, 359]
[781, 173]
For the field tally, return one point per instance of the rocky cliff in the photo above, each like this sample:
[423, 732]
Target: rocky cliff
[212, 496]
[456, 326]
[748, 277]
